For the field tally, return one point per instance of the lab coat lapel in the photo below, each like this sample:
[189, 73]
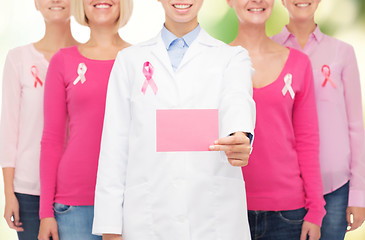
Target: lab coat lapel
[203, 41]
[160, 52]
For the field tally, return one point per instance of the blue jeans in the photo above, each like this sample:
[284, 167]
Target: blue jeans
[29, 216]
[334, 224]
[75, 222]
[272, 225]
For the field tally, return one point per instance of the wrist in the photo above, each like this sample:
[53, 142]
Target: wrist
[9, 193]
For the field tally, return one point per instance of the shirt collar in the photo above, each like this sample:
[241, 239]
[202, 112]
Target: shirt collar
[168, 37]
[285, 35]
[317, 34]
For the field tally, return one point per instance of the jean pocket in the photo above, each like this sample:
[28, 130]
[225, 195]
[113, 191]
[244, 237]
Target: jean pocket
[293, 216]
[61, 208]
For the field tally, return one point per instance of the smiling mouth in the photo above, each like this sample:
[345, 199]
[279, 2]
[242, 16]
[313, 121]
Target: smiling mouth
[302, 4]
[256, 9]
[56, 8]
[182, 6]
[102, 5]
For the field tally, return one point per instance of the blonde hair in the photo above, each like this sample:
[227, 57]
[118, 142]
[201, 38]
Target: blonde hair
[78, 11]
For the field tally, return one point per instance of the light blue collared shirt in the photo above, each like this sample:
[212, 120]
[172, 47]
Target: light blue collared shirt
[177, 47]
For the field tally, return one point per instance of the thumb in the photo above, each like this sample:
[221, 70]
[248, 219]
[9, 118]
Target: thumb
[16, 217]
[348, 217]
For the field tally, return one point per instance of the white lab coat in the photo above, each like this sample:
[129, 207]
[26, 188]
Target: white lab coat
[148, 195]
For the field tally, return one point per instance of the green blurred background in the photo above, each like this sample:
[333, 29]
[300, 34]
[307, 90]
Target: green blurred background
[21, 24]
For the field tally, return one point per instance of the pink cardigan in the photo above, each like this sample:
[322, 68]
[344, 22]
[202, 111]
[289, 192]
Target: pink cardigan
[283, 171]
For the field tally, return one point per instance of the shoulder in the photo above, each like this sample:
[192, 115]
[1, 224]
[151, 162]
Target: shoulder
[22, 51]
[68, 51]
[298, 57]
[335, 41]
[220, 46]
[64, 54]
[342, 48]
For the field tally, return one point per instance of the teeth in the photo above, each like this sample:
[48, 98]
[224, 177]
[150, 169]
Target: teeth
[302, 4]
[102, 6]
[182, 6]
[56, 8]
[256, 9]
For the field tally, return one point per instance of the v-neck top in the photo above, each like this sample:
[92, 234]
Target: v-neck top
[340, 112]
[74, 99]
[22, 116]
[283, 171]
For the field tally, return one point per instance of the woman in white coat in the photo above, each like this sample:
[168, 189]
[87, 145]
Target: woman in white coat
[145, 194]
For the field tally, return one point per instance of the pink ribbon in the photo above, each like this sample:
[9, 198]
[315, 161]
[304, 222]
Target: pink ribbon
[81, 70]
[327, 73]
[148, 72]
[35, 73]
[288, 80]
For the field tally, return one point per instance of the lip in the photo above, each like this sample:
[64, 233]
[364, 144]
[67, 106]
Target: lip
[256, 10]
[182, 7]
[302, 4]
[102, 5]
[56, 8]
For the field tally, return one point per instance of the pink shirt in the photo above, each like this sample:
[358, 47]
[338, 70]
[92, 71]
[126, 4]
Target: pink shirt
[22, 116]
[75, 94]
[283, 172]
[341, 129]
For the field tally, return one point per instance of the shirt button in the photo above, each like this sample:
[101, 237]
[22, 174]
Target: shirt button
[181, 43]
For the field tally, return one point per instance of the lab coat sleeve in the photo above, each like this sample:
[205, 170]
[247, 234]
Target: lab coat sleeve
[237, 110]
[110, 186]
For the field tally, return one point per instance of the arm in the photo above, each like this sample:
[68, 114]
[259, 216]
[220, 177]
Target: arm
[237, 111]
[305, 123]
[352, 92]
[52, 144]
[109, 193]
[112, 237]
[11, 202]
[9, 128]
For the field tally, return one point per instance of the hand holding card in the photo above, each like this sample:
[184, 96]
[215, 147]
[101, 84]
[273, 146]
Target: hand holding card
[186, 129]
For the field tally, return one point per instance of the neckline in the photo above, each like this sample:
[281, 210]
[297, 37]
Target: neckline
[76, 48]
[35, 51]
[280, 75]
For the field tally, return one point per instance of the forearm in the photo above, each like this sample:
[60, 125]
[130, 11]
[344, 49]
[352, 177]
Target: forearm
[112, 237]
[8, 174]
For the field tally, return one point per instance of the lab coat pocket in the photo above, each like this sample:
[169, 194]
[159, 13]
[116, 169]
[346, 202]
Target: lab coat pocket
[137, 213]
[231, 209]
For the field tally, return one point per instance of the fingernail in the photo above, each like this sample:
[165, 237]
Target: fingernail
[211, 147]
[216, 142]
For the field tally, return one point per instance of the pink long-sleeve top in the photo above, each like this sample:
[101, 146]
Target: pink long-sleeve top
[340, 116]
[283, 171]
[22, 116]
[75, 95]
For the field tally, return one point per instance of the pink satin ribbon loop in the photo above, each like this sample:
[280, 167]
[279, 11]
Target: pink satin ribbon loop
[148, 73]
[35, 72]
[327, 73]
